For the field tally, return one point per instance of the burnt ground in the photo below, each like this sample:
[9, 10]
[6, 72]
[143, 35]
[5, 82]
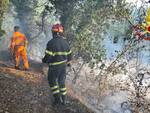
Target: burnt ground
[29, 92]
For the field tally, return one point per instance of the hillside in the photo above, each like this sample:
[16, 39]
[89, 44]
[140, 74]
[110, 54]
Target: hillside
[28, 92]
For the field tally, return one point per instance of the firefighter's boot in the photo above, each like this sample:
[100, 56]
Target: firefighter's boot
[57, 100]
[63, 99]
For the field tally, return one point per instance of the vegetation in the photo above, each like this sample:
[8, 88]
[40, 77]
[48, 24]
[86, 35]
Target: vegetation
[3, 8]
[86, 22]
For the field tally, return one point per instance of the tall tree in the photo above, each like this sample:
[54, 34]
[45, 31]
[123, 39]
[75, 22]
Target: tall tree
[3, 8]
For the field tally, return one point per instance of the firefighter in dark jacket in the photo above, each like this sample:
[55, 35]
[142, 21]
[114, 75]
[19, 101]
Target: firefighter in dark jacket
[58, 56]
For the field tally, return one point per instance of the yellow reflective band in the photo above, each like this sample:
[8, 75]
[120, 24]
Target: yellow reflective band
[57, 63]
[49, 52]
[55, 92]
[64, 93]
[63, 89]
[54, 87]
[69, 52]
[62, 53]
[57, 53]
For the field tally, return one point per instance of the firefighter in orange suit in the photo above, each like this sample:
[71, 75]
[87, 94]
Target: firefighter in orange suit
[18, 48]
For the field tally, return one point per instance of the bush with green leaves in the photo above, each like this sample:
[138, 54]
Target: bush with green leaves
[87, 24]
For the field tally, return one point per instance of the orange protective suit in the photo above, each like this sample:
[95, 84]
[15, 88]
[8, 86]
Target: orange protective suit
[18, 49]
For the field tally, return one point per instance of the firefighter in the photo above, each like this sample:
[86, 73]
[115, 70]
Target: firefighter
[58, 56]
[18, 48]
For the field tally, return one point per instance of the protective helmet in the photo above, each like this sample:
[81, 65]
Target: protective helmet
[57, 28]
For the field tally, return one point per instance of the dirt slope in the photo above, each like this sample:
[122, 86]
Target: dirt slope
[28, 92]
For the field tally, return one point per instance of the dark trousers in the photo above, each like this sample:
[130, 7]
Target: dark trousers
[56, 78]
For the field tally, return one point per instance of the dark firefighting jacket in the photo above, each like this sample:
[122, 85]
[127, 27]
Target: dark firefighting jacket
[57, 52]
